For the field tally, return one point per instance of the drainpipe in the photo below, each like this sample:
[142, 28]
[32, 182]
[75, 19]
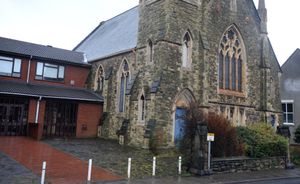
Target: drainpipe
[37, 110]
[28, 70]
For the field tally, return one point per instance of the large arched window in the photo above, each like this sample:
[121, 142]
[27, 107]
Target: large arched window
[124, 79]
[231, 61]
[187, 50]
[99, 79]
[150, 51]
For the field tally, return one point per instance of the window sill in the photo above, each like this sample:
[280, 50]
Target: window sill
[186, 68]
[289, 124]
[232, 93]
[54, 81]
[10, 75]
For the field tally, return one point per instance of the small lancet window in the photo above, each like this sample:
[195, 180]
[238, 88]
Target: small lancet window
[150, 52]
[187, 50]
[124, 80]
[99, 79]
[142, 107]
[231, 63]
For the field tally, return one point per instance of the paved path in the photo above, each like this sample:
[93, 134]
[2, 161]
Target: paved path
[62, 168]
[11, 172]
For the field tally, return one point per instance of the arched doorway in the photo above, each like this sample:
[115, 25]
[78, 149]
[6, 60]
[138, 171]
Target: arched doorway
[182, 102]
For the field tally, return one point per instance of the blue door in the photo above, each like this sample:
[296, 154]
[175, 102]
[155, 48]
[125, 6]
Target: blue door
[179, 125]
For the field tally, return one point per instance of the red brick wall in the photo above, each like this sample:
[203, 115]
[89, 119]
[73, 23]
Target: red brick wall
[76, 73]
[88, 119]
[32, 110]
[36, 130]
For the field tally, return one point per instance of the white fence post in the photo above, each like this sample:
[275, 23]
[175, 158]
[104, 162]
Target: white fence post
[89, 170]
[154, 166]
[179, 165]
[43, 173]
[129, 168]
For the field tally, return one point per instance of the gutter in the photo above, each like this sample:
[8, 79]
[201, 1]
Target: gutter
[54, 97]
[37, 110]
[28, 70]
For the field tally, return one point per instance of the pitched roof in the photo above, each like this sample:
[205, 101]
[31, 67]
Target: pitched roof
[292, 63]
[27, 49]
[47, 91]
[113, 36]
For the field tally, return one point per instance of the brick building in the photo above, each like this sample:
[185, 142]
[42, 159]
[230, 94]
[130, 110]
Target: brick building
[153, 60]
[42, 92]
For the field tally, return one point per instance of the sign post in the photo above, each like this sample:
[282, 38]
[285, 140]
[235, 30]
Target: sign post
[210, 138]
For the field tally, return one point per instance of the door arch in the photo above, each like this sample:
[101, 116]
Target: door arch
[182, 102]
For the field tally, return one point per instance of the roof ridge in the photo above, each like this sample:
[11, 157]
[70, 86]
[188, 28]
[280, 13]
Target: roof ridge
[120, 14]
[101, 24]
[40, 45]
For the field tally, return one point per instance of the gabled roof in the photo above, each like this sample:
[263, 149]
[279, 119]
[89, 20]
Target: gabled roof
[26, 49]
[293, 62]
[47, 91]
[113, 36]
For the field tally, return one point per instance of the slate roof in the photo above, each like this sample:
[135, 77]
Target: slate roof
[47, 91]
[37, 51]
[113, 36]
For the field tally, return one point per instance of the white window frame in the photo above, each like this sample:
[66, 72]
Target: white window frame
[41, 74]
[285, 121]
[16, 67]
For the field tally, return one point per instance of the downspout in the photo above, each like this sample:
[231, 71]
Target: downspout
[37, 110]
[28, 70]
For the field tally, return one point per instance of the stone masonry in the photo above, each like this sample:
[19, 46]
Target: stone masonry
[167, 85]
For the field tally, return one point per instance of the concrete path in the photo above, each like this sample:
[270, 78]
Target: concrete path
[62, 168]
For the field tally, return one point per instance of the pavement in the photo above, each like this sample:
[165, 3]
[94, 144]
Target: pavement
[265, 176]
[62, 168]
[21, 161]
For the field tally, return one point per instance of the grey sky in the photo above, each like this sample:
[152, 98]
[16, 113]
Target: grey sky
[64, 23]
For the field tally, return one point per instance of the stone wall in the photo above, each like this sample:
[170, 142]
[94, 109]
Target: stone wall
[165, 23]
[246, 164]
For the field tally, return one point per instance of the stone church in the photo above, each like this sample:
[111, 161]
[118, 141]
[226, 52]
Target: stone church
[152, 61]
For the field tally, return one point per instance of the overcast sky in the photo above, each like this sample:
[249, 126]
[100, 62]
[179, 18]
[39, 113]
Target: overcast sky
[64, 23]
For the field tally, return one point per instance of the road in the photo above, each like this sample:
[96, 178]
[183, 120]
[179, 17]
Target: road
[195, 180]
[273, 181]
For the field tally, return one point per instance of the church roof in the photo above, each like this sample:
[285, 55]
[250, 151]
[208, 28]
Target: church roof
[111, 37]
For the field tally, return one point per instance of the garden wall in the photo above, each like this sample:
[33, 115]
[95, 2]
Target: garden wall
[246, 164]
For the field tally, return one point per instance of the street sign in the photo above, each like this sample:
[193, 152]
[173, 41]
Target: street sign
[210, 137]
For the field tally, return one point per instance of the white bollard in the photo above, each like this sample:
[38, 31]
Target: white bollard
[129, 168]
[154, 166]
[89, 170]
[179, 166]
[43, 173]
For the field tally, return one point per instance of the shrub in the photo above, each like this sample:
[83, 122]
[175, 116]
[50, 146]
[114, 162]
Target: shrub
[295, 153]
[297, 135]
[226, 142]
[260, 140]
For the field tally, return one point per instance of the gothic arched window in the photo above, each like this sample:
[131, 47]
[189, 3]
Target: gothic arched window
[99, 79]
[187, 50]
[150, 51]
[231, 61]
[142, 107]
[124, 79]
